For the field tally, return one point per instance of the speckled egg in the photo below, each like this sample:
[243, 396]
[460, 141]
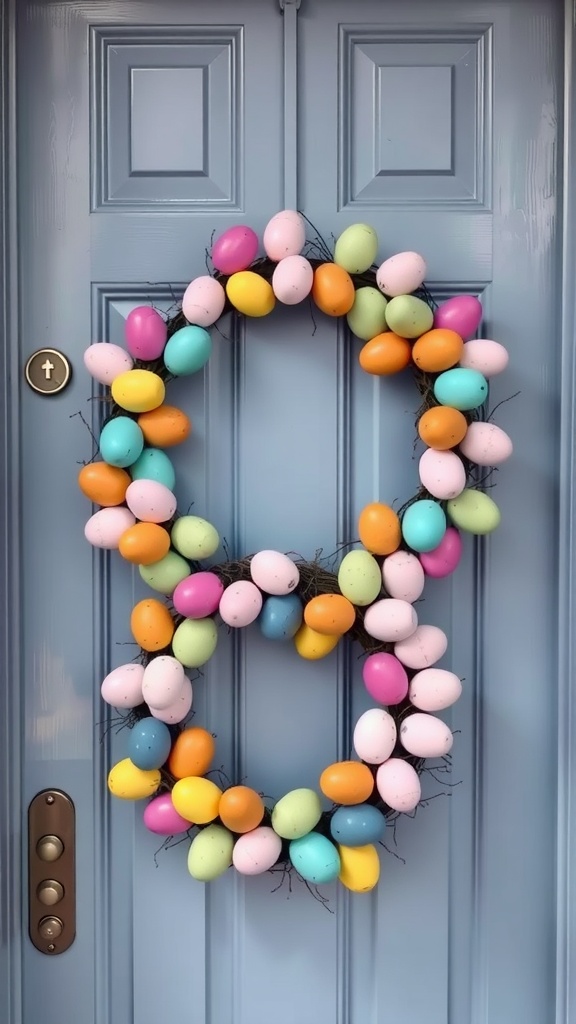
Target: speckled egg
[398, 785]
[424, 648]
[434, 689]
[374, 736]
[256, 851]
[486, 356]
[403, 576]
[425, 735]
[390, 620]
[274, 573]
[240, 604]
[486, 444]
[442, 473]
[401, 274]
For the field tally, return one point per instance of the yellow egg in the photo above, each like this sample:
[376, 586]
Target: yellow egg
[250, 294]
[138, 390]
[128, 782]
[197, 799]
[312, 645]
[359, 867]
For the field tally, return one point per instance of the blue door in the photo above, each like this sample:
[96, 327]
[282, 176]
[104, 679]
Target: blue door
[140, 129]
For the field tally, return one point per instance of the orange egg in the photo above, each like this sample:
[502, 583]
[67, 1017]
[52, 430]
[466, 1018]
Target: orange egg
[333, 289]
[347, 782]
[330, 614]
[379, 529]
[240, 809]
[151, 624]
[105, 485]
[385, 354]
[164, 426]
[192, 753]
[442, 427]
[437, 350]
[144, 543]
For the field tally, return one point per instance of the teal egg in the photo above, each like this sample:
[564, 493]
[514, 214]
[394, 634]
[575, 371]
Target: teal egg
[424, 525]
[121, 442]
[149, 743]
[357, 825]
[281, 617]
[187, 350]
[367, 318]
[409, 316]
[461, 388]
[154, 464]
[315, 858]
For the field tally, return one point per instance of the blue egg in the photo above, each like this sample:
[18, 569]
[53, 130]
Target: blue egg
[281, 617]
[154, 464]
[121, 441]
[188, 350]
[461, 388]
[424, 525]
[315, 858]
[358, 825]
[149, 744]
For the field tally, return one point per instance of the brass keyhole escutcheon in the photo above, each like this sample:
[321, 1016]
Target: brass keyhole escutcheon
[52, 871]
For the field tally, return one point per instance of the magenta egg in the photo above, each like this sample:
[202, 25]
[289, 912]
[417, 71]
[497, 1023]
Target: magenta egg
[198, 596]
[162, 818]
[444, 559]
[385, 678]
[462, 313]
[235, 249]
[145, 333]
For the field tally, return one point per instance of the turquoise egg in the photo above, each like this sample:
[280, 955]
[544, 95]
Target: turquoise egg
[424, 525]
[461, 388]
[149, 743]
[121, 442]
[187, 351]
[358, 825]
[281, 617]
[154, 464]
[315, 858]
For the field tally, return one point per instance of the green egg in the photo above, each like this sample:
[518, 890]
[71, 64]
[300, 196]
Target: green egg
[194, 642]
[359, 577]
[474, 511]
[409, 316]
[356, 248]
[195, 537]
[165, 575]
[296, 814]
[367, 318]
[210, 853]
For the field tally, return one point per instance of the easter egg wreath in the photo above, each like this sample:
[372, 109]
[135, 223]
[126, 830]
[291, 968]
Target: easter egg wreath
[369, 599]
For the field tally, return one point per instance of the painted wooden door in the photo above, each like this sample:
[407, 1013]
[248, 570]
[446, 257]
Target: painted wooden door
[142, 128]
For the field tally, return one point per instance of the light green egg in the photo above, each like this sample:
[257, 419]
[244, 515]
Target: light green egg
[409, 316]
[474, 511]
[165, 575]
[195, 537]
[356, 248]
[194, 642]
[367, 318]
[210, 853]
[296, 814]
[359, 577]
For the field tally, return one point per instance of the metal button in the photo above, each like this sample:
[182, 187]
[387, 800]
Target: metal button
[50, 928]
[49, 848]
[50, 892]
[48, 371]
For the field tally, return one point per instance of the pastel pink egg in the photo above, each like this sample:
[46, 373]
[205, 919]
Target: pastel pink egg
[240, 604]
[203, 301]
[486, 356]
[162, 818]
[122, 687]
[274, 572]
[177, 711]
[374, 736]
[390, 619]
[284, 235]
[235, 249]
[442, 473]
[462, 313]
[486, 444]
[292, 279]
[105, 527]
[401, 274]
[398, 784]
[444, 559]
[150, 501]
[163, 682]
[257, 851]
[385, 678]
[434, 689]
[425, 736]
[145, 332]
[403, 576]
[424, 648]
[198, 596]
[105, 362]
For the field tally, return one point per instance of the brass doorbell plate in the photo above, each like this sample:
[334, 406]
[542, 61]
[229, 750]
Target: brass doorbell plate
[52, 871]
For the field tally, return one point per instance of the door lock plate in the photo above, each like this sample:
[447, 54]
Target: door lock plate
[52, 871]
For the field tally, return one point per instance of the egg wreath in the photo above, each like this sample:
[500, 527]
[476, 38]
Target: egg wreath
[369, 599]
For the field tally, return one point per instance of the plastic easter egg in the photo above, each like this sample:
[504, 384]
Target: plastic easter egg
[163, 681]
[149, 743]
[442, 427]
[434, 689]
[178, 711]
[315, 858]
[401, 274]
[284, 235]
[444, 559]
[330, 614]
[196, 799]
[235, 249]
[356, 248]
[374, 736]
[333, 290]
[203, 301]
[150, 501]
[424, 648]
[385, 354]
[165, 426]
[462, 313]
[357, 825]
[359, 577]
[442, 473]
[105, 362]
[292, 280]
[389, 620]
[192, 753]
[274, 572]
[398, 784]
[424, 525]
[210, 853]
[488, 357]
[127, 782]
[408, 316]
[198, 595]
[138, 390]
[379, 528]
[165, 575]
[154, 464]
[425, 736]
[403, 576]
[250, 293]
[121, 441]
[194, 642]
[105, 528]
[122, 687]
[241, 809]
[474, 511]
[312, 645]
[367, 318]
[437, 350]
[461, 389]
[347, 782]
[359, 867]
[151, 624]
[297, 813]
[240, 604]
[256, 851]
[144, 543]
[385, 678]
[486, 444]
[187, 350]
[145, 333]
[103, 484]
[195, 537]
[161, 818]
[281, 617]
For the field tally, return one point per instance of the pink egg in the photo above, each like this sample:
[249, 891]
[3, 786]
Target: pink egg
[292, 279]
[198, 596]
[162, 818]
[424, 648]
[486, 444]
[390, 619]
[462, 313]
[257, 851]
[444, 559]
[374, 736]
[398, 784]
[488, 357]
[150, 501]
[146, 332]
[177, 711]
[401, 274]
[235, 249]
[203, 301]
[122, 688]
[240, 604]
[163, 682]
[105, 527]
[105, 362]
[385, 678]
[274, 572]
[434, 689]
[442, 473]
[403, 576]
[284, 235]
[425, 736]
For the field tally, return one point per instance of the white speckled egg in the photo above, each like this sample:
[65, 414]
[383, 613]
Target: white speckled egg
[486, 444]
[390, 620]
[163, 682]
[105, 527]
[424, 648]
[401, 274]
[398, 784]
[488, 357]
[403, 576]
[375, 736]
[442, 473]
[425, 736]
[122, 687]
[434, 689]
[274, 572]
